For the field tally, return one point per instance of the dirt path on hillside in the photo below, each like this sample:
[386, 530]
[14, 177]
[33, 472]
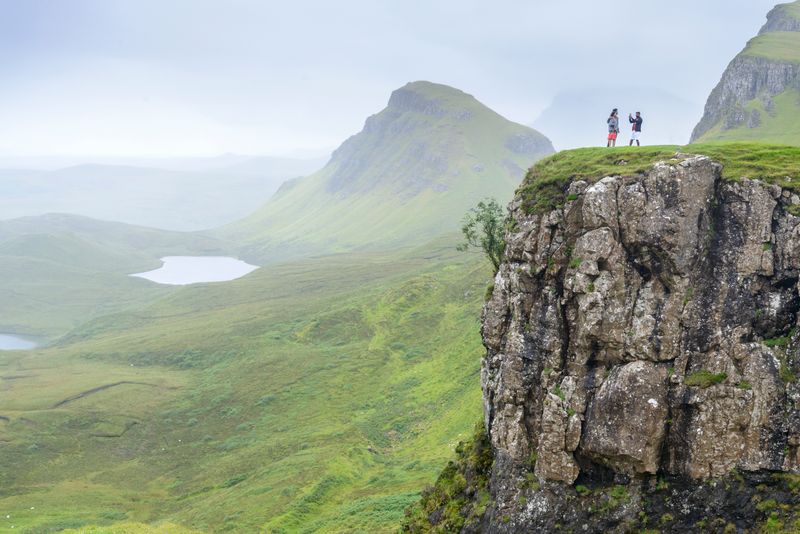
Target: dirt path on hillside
[98, 389]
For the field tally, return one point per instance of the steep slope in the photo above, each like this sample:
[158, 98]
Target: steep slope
[642, 350]
[758, 97]
[409, 175]
[57, 271]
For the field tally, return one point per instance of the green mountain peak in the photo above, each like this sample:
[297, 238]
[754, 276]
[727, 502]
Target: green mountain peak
[410, 174]
[758, 96]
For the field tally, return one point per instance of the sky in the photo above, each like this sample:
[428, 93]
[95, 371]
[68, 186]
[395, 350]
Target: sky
[169, 78]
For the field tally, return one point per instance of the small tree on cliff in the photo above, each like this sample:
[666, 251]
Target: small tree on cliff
[483, 228]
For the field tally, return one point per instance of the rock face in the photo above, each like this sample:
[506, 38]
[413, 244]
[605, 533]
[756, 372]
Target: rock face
[626, 341]
[781, 19]
[745, 95]
[747, 78]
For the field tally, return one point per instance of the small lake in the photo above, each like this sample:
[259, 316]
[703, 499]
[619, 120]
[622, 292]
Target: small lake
[184, 270]
[9, 342]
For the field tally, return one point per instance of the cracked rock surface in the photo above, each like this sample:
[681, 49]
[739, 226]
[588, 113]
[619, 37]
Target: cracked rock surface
[643, 329]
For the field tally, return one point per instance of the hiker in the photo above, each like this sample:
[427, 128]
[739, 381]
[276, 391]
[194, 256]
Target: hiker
[613, 128]
[636, 128]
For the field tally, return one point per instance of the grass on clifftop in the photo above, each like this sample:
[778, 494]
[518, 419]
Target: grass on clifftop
[545, 185]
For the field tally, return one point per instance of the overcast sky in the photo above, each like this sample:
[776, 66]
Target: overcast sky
[205, 77]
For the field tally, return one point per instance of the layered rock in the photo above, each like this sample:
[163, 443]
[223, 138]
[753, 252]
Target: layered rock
[743, 102]
[626, 341]
[746, 79]
[781, 19]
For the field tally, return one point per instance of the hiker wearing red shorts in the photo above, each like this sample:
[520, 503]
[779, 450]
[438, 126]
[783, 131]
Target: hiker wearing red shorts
[613, 128]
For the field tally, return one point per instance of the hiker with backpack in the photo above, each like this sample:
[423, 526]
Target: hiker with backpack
[613, 128]
[636, 128]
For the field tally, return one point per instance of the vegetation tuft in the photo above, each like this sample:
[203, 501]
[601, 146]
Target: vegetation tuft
[460, 495]
[704, 379]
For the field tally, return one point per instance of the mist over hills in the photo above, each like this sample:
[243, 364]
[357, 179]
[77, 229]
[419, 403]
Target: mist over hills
[323, 391]
[758, 96]
[410, 174]
[254, 404]
[192, 194]
[319, 393]
[57, 271]
[577, 118]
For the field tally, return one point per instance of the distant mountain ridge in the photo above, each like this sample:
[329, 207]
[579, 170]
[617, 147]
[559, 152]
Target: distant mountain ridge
[189, 198]
[758, 97]
[411, 173]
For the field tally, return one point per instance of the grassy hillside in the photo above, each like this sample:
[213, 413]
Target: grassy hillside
[315, 396]
[311, 396]
[782, 46]
[409, 175]
[779, 123]
[57, 271]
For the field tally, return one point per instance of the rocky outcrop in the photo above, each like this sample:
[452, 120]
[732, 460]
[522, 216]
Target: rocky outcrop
[745, 79]
[751, 77]
[781, 19]
[643, 334]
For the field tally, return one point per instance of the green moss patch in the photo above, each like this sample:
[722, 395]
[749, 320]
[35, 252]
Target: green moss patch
[704, 378]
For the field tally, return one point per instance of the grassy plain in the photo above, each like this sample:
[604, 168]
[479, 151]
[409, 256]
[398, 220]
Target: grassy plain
[316, 396]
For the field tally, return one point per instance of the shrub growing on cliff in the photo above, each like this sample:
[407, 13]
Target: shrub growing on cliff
[484, 228]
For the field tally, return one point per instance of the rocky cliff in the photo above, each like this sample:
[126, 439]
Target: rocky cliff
[757, 96]
[782, 18]
[642, 355]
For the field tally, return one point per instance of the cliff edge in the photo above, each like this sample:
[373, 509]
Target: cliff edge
[642, 348]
